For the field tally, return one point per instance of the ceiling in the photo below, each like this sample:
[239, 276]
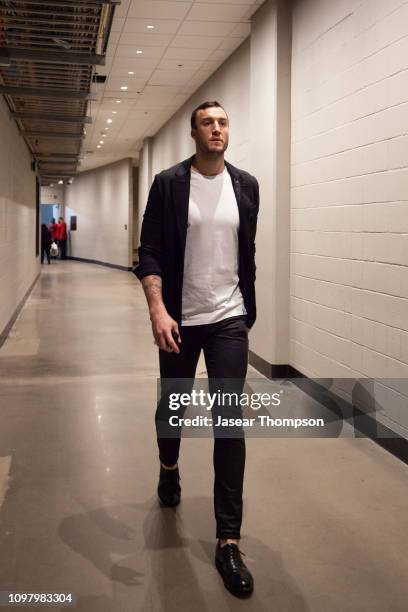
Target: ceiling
[87, 80]
[189, 41]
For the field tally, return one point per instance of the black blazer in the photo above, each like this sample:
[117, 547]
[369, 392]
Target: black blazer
[164, 231]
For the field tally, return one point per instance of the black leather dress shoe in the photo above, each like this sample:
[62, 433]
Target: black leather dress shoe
[235, 574]
[169, 489]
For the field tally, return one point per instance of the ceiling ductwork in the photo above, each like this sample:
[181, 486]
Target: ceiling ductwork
[48, 55]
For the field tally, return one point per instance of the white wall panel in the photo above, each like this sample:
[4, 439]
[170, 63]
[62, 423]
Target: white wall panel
[102, 199]
[19, 265]
[349, 203]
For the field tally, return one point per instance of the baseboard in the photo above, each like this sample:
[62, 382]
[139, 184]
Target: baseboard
[9, 325]
[367, 426]
[271, 370]
[100, 263]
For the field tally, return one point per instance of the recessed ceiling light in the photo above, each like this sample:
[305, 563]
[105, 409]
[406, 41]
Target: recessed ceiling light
[139, 51]
[124, 88]
[118, 101]
[150, 27]
[114, 112]
[60, 182]
[109, 120]
[101, 142]
[131, 72]
[98, 146]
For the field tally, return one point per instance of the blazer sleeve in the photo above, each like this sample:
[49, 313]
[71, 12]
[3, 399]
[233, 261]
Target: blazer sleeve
[150, 249]
[252, 229]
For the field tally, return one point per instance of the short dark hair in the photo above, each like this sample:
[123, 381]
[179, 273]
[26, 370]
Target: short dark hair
[203, 105]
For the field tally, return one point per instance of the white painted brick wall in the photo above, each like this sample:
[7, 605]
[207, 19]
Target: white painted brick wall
[102, 200]
[349, 196]
[18, 263]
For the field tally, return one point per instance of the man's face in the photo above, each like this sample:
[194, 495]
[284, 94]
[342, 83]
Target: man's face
[211, 133]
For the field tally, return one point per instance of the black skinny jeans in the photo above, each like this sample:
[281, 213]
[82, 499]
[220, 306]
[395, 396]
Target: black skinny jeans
[225, 346]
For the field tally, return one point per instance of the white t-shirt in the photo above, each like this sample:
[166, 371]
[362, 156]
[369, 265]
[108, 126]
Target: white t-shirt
[210, 283]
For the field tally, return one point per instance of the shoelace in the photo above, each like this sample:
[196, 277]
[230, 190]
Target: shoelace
[234, 553]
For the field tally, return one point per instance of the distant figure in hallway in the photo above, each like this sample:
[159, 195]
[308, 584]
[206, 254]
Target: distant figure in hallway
[197, 267]
[54, 229]
[62, 237]
[45, 243]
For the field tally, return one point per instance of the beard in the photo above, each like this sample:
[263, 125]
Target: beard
[210, 150]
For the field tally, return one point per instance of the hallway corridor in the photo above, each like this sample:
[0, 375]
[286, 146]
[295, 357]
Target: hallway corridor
[325, 520]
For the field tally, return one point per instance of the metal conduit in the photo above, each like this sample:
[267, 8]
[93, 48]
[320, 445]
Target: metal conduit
[48, 51]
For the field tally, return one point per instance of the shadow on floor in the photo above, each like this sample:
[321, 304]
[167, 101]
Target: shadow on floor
[141, 546]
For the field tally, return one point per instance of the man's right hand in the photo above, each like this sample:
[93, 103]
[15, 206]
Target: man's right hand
[163, 327]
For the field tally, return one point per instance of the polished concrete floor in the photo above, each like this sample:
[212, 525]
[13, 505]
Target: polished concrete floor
[326, 520]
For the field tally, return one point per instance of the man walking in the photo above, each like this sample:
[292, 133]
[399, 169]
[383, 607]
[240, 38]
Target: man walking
[197, 268]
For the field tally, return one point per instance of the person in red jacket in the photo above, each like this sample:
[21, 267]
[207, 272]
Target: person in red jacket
[54, 229]
[62, 237]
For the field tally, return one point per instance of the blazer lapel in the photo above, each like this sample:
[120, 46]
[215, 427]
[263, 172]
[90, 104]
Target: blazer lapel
[237, 189]
[181, 196]
[236, 183]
